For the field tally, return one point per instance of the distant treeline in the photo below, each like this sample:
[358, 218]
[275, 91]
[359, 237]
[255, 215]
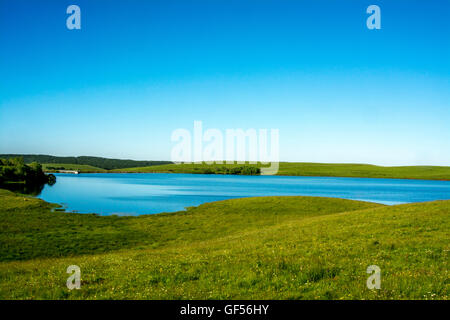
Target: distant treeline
[103, 163]
[55, 168]
[241, 170]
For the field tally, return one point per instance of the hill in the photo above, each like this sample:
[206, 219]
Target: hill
[252, 248]
[103, 163]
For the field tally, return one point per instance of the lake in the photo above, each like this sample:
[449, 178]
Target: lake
[147, 193]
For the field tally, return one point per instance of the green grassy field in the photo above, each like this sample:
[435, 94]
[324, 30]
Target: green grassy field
[252, 248]
[50, 167]
[318, 169]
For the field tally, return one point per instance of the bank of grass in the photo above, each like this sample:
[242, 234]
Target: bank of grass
[312, 169]
[252, 248]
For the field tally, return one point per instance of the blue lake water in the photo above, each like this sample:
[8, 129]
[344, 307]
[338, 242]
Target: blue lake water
[146, 193]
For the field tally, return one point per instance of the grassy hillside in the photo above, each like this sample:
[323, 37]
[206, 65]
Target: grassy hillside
[317, 169]
[365, 170]
[267, 247]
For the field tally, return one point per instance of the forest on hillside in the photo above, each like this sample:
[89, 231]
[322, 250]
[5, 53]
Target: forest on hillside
[104, 163]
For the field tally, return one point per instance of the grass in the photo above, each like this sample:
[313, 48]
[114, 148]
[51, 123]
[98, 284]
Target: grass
[316, 169]
[252, 248]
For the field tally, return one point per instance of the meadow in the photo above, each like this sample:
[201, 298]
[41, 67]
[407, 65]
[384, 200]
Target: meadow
[251, 248]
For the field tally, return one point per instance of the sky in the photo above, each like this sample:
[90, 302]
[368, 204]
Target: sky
[138, 70]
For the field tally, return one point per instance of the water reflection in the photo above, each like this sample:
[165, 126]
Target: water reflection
[30, 188]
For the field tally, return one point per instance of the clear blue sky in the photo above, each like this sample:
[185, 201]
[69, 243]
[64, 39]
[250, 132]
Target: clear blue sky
[137, 70]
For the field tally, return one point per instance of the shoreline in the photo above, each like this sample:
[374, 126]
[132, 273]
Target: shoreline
[56, 207]
[219, 174]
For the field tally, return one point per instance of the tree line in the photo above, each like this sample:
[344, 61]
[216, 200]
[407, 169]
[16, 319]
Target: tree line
[104, 163]
[240, 170]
